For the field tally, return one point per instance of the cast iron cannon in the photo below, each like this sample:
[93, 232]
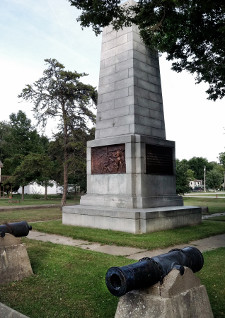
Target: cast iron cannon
[148, 271]
[17, 229]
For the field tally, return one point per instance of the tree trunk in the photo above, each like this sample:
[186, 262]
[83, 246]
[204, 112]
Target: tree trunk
[65, 182]
[22, 198]
[46, 190]
[65, 164]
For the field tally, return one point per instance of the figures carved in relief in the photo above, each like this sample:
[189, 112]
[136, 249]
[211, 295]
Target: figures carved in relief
[108, 159]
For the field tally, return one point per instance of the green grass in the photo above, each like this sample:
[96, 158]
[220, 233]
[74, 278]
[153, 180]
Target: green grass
[218, 218]
[147, 241]
[159, 239]
[70, 283]
[43, 214]
[213, 277]
[214, 205]
[29, 200]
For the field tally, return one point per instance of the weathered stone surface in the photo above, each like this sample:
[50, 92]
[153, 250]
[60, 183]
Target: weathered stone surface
[7, 312]
[14, 260]
[129, 220]
[128, 70]
[145, 190]
[130, 112]
[178, 296]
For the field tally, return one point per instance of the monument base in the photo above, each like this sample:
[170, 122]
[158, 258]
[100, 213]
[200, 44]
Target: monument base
[134, 221]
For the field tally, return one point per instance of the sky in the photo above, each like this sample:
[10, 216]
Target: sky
[31, 31]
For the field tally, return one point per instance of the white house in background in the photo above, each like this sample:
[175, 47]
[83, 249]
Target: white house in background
[196, 184]
[34, 188]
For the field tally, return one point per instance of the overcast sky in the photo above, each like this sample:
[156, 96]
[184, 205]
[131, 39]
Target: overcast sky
[31, 31]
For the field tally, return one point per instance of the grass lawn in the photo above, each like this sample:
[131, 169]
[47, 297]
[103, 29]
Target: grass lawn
[215, 205]
[53, 224]
[70, 283]
[218, 218]
[31, 201]
[43, 214]
[213, 278]
[149, 241]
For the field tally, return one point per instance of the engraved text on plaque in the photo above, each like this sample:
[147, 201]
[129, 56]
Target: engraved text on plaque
[159, 160]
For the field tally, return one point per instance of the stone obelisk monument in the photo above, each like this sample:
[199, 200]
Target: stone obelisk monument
[131, 183]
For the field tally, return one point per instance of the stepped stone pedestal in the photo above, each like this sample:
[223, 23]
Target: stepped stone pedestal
[131, 184]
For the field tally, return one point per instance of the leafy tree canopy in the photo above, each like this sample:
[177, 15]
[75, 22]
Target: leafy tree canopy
[197, 165]
[222, 159]
[35, 167]
[182, 176]
[76, 150]
[17, 139]
[60, 94]
[191, 32]
[214, 179]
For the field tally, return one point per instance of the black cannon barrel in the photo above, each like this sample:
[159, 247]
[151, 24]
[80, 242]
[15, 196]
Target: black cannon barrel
[17, 229]
[148, 271]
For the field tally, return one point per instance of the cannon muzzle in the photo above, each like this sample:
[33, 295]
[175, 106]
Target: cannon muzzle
[148, 271]
[17, 229]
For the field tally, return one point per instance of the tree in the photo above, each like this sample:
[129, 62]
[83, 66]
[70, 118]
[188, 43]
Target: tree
[17, 139]
[182, 176]
[214, 179]
[4, 132]
[190, 175]
[76, 154]
[222, 163]
[34, 168]
[42, 167]
[191, 32]
[222, 159]
[60, 94]
[22, 175]
[197, 164]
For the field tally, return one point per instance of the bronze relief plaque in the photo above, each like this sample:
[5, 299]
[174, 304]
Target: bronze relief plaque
[108, 159]
[159, 160]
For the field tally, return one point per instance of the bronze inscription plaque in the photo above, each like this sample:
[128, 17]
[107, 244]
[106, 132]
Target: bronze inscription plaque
[108, 159]
[159, 160]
